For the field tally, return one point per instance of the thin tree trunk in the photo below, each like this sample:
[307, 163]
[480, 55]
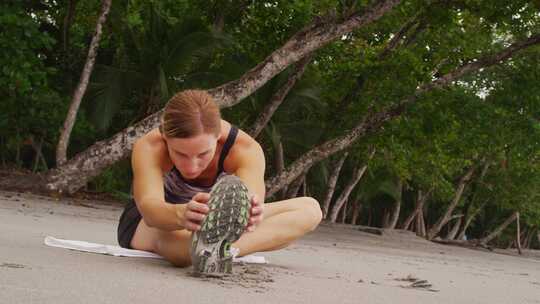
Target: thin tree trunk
[420, 201]
[434, 231]
[420, 224]
[61, 150]
[355, 212]
[528, 239]
[90, 163]
[469, 214]
[304, 186]
[516, 242]
[295, 186]
[518, 235]
[397, 207]
[498, 230]
[279, 163]
[39, 154]
[468, 222]
[386, 218]
[332, 183]
[278, 97]
[455, 228]
[344, 212]
[424, 225]
[523, 237]
[357, 175]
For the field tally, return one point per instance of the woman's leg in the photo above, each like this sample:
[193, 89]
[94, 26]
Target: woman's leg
[172, 245]
[284, 222]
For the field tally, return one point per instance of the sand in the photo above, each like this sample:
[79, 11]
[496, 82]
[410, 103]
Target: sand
[334, 264]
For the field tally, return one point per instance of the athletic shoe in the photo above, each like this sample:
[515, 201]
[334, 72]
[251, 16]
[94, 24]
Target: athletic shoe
[224, 224]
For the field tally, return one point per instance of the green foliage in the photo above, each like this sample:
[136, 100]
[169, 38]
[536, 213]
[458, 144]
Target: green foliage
[152, 49]
[115, 180]
[29, 105]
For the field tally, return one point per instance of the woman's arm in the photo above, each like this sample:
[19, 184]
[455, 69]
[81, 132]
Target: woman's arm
[249, 167]
[148, 188]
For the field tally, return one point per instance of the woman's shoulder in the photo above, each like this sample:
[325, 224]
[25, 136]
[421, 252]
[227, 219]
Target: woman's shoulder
[244, 142]
[150, 141]
[244, 148]
[152, 147]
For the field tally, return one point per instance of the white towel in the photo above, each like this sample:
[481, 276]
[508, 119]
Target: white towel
[119, 251]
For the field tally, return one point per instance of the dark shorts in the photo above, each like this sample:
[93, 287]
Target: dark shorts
[129, 220]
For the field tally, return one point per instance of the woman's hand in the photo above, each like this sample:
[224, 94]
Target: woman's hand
[191, 215]
[256, 213]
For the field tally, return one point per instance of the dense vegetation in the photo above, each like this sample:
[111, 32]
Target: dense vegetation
[471, 144]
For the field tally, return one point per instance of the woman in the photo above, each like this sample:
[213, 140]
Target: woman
[174, 168]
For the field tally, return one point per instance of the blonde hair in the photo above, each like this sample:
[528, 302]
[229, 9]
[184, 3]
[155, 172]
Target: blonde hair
[190, 113]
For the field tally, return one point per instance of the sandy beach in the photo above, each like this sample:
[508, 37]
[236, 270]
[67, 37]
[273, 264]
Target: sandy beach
[334, 264]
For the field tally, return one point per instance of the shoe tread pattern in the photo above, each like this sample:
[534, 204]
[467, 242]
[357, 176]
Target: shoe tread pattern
[229, 211]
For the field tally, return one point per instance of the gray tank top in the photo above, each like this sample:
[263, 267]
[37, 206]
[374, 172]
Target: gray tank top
[179, 191]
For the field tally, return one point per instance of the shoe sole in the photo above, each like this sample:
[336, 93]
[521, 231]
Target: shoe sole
[224, 224]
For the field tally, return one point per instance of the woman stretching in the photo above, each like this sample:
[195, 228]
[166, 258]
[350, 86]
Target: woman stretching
[174, 169]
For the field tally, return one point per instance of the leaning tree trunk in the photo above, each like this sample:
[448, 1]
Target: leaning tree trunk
[355, 212]
[358, 173]
[524, 235]
[469, 214]
[435, 229]
[397, 207]
[468, 221]
[65, 133]
[89, 163]
[528, 240]
[332, 184]
[455, 228]
[278, 97]
[484, 241]
[420, 201]
[386, 218]
[279, 163]
[304, 186]
[420, 224]
[344, 212]
[296, 184]
[521, 238]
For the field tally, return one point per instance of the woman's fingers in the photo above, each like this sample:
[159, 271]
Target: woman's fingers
[194, 216]
[192, 226]
[256, 211]
[201, 197]
[198, 207]
[256, 214]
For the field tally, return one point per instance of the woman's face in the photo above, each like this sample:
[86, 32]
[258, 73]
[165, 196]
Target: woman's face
[191, 156]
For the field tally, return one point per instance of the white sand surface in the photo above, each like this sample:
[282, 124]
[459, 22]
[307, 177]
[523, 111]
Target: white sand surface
[334, 264]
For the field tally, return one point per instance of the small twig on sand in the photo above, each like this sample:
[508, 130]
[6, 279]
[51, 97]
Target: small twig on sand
[416, 283]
